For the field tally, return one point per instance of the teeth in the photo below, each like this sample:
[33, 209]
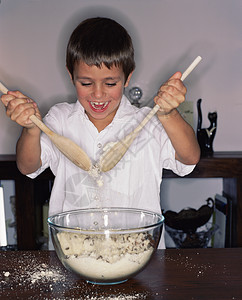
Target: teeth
[99, 103]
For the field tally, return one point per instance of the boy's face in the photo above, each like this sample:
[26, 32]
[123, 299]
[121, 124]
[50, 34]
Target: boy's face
[99, 91]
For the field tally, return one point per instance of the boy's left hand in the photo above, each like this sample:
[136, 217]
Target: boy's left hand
[170, 95]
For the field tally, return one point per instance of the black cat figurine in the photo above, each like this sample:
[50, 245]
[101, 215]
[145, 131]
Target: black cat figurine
[205, 136]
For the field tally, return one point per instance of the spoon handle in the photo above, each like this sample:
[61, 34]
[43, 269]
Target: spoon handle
[3, 88]
[41, 125]
[157, 107]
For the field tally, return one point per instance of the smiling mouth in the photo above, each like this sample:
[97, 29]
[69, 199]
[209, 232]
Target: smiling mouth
[99, 105]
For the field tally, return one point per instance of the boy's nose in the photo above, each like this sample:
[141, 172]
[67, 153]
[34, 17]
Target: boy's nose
[98, 92]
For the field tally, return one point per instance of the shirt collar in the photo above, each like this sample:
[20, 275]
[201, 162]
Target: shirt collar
[78, 110]
[125, 109]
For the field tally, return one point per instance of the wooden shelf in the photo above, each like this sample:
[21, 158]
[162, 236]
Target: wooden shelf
[220, 164]
[29, 192]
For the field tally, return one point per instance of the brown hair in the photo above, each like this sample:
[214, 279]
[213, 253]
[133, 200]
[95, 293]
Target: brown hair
[98, 41]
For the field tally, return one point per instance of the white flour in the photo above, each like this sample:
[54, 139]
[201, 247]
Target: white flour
[44, 273]
[112, 257]
[96, 170]
[95, 173]
[98, 269]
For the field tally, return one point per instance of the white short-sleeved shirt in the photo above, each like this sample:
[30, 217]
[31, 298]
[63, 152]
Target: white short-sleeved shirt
[133, 182]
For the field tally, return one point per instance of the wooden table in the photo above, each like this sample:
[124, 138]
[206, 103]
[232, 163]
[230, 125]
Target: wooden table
[171, 274]
[30, 194]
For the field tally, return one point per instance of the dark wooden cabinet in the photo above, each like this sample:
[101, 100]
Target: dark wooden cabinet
[31, 192]
[228, 166]
[28, 193]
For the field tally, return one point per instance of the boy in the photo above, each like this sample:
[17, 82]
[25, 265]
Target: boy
[100, 61]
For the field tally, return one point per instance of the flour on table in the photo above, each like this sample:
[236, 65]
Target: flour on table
[6, 274]
[51, 281]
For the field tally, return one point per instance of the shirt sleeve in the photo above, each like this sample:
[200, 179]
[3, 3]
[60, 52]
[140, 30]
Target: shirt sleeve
[171, 163]
[167, 152]
[47, 152]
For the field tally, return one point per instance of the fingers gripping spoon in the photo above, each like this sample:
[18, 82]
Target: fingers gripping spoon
[71, 150]
[115, 151]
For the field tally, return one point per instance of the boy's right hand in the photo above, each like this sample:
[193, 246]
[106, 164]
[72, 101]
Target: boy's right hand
[19, 108]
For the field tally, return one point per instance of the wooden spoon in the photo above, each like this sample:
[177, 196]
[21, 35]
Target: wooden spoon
[116, 151]
[71, 150]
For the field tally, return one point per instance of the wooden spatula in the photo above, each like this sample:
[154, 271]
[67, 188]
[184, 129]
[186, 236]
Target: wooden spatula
[115, 152]
[71, 150]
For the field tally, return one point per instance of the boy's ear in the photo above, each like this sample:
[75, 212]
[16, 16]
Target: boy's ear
[70, 75]
[128, 79]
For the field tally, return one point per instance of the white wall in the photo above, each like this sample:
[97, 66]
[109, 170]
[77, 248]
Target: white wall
[167, 36]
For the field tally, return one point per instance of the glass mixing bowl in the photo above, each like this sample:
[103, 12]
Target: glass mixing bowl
[106, 245]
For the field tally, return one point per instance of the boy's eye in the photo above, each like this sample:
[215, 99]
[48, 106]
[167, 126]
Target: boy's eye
[111, 84]
[85, 84]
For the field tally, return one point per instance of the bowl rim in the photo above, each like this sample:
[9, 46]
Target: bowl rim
[106, 209]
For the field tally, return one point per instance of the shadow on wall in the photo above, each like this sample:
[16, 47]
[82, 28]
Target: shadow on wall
[183, 61]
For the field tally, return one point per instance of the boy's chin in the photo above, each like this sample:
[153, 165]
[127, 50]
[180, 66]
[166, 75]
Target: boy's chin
[105, 117]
